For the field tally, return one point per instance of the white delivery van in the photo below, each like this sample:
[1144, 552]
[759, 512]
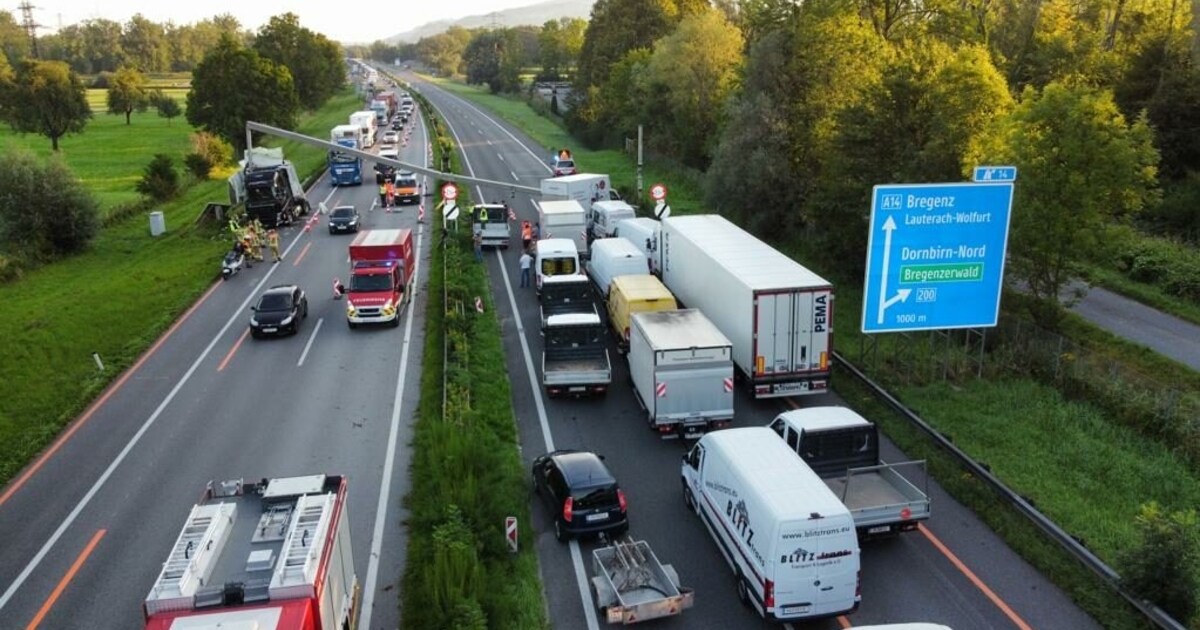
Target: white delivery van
[564, 219]
[642, 232]
[582, 187]
[604, 215]
[613, 257]
[555, 257]
[789, 541]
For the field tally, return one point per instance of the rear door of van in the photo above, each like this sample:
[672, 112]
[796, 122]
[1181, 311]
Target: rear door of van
[817, 569]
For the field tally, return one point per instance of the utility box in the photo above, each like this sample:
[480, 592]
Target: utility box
[158, 224]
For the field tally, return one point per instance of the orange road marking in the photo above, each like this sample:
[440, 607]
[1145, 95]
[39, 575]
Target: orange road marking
[112, 389]
[302, 253]
[958, 564]
[843, 622]
[62, 584]
[233, 350]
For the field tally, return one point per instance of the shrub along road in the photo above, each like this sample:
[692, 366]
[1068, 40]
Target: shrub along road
[912, 578]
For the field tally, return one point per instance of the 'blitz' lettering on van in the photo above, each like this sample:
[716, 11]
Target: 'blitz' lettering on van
[820, 311]
[796, 557]
[740, 517]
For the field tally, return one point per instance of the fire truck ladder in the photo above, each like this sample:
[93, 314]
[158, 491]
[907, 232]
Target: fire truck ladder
[199, 545]
[306, 540]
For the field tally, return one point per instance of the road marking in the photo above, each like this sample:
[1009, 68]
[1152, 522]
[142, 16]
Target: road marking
[296, 263]
[112, 389]
[112, 467]
[232, 351]
[843, 622]
[585, 594]
[501, 156]
[979, 584]
[489, 141]
[308, 345]
[514, 176]
[389, 463]
[66, 579]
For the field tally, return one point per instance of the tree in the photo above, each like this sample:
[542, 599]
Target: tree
[697, 65]
[127, 92]
[45, 211]
[47, 98]
[315, 62]
[145, 45]
[100, 49]
[14, 42]
[159, 180]
[166, 106]
[443, 52]
[234, 84]
[1162, 567]
[1082, 168]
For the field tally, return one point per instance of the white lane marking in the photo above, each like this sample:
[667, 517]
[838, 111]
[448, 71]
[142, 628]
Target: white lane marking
[385, 488]
[489, 141]
[112, 467]
[501, 156]
[308, 345]
[464, 101]
[585, 594]
[514, 176]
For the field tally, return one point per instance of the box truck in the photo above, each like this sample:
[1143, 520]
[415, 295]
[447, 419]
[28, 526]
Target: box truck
[564, 219]
[788, 540]
[682, 372]
[381, 277]
[778, 314]
[583, 187]
[365, 120]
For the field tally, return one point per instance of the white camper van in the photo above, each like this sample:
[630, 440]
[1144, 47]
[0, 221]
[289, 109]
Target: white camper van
[789, 541]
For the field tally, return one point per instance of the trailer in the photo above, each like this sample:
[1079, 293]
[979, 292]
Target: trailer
[778, 314]
[631, 585]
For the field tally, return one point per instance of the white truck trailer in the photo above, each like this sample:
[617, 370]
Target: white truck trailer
[682, 372]
[564, 219]
[583, 187]
[778, 314]
[365, 120]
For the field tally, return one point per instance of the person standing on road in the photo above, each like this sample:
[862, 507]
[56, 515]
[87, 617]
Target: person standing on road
[273, 241]
[391, 193]
[477, 239]
[526, 235]
[383, 194]
[526, 264]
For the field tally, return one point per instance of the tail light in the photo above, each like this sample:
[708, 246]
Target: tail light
[621, 499]
[568, 509]
[769, 594]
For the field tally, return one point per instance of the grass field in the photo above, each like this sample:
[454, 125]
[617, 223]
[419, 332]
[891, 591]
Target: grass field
[1083, 469]
[109, 155]
[114, 299]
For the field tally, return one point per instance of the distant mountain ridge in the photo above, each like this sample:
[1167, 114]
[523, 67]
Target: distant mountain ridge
[534, 14]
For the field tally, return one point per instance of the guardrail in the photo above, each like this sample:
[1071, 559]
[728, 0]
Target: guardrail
[1153, 613]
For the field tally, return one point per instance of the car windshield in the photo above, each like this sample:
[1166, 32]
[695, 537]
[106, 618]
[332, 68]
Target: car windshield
[342, 212]
[275, 302]
[573, 336]
[558, 266]
[406, 183]
[373, 282]
[599, 496]
[343, 157]
[566, 164]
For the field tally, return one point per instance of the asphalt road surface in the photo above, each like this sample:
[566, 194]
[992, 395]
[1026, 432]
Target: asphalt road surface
[1165, 334]
[208, 402]
[955, 571]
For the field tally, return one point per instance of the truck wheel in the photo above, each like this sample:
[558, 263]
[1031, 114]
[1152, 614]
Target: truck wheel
[688, 500]
[395, 322]
[351, 324]
[743, 591]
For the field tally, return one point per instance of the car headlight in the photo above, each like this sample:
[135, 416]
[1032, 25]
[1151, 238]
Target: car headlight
[354, 221]
[254, 322]
[287, 320]
[350, 310]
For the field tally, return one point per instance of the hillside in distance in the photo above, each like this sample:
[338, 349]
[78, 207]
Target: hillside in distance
[534, 14]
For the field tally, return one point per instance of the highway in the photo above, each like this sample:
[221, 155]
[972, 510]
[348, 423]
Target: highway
[87, 527]
[1165, 334]
[954, 571]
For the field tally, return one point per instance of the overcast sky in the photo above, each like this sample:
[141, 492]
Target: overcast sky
[331, 18]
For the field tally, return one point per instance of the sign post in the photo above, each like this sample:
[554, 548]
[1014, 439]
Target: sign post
[658, 193]
[510, 532]
[935, 256]
[449, 205]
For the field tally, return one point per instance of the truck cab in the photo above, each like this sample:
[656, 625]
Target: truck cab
[490, 220]
[570, 293]
[555, 257]
[575, 360]
[381, 280]
[270, 188]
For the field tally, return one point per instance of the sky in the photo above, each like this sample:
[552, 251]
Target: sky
[323, 16]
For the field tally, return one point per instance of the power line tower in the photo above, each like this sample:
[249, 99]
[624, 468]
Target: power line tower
[495, 19]
[30, 26]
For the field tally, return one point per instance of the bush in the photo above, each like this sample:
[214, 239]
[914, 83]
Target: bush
[45, 212]
[214, 149]
[1160, 569]
[102, 81]
[159, 180]
[198, 165]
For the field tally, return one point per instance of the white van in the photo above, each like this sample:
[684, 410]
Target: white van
[642, 232]
[555, 257]
[604, 215]
[612, 257]
[789, 541]
[564, 219]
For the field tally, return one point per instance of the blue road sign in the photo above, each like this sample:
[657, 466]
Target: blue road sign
[935, 256]
[995, 174]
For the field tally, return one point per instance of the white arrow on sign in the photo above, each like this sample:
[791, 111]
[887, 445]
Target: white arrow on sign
[889, 226]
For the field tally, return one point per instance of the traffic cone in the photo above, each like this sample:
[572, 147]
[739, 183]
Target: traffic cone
[421, 213]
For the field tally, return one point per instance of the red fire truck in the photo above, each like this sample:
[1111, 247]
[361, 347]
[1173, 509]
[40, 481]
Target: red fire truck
[381, 277]
[273, 555]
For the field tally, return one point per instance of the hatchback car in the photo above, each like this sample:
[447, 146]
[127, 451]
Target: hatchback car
[279, 311]
[343, 219]
[389, 152]
[398, 124]
[390, 137]
[563, 166]
[581, 494]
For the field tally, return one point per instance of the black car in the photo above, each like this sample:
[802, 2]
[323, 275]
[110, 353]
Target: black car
[279, 311]
[397, 124]
[343, 219]
[581, 494]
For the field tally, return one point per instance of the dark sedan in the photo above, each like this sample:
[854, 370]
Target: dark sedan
[279, 311]
[581, 494]
[343, 219]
